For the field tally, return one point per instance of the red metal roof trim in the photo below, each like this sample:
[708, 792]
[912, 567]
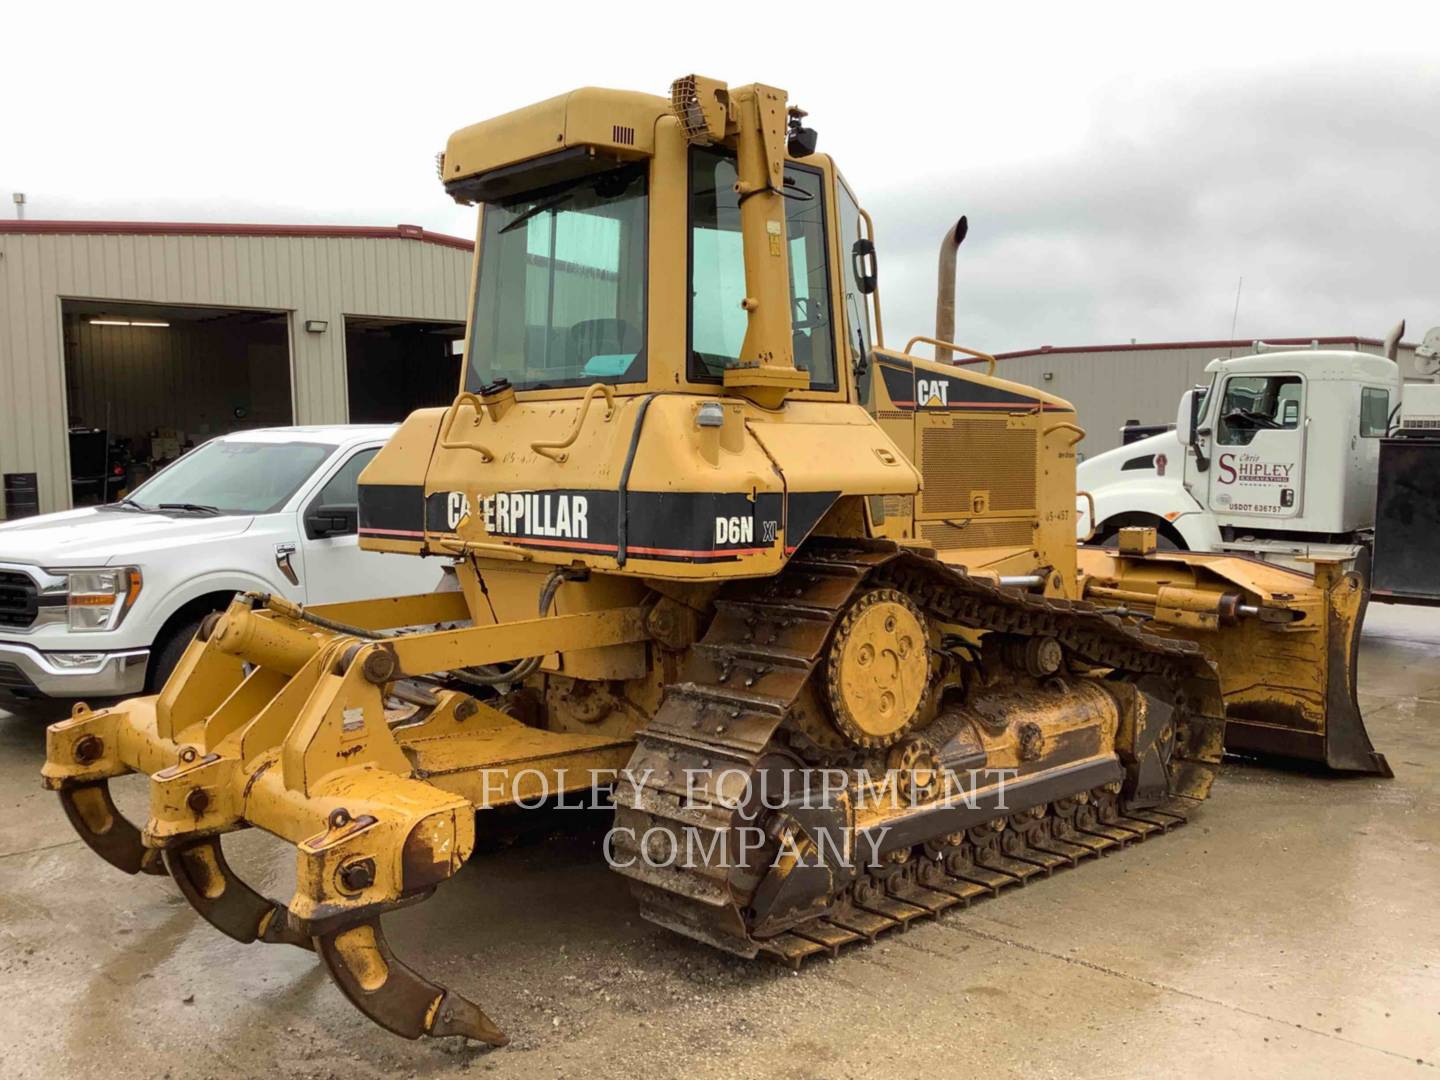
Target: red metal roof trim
[201, 228]
[1047, 350]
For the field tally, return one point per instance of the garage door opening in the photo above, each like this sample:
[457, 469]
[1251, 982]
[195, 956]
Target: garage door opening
[395, 366]
[145, 382]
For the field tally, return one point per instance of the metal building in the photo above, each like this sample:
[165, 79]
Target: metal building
[123, 342]
[1112, 384]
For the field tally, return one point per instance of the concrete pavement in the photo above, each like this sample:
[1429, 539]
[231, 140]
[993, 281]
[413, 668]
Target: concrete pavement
[1290, 929]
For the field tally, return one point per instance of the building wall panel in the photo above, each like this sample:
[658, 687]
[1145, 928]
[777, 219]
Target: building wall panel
[1109, 386]
[322, 277]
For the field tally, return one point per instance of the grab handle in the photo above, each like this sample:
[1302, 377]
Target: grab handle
[954, 348]
[557, 450]
[1065, 425]
[1089, 533]
[447, 425]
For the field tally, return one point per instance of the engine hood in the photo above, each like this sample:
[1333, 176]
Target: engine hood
[96, 537]
[1110, 466]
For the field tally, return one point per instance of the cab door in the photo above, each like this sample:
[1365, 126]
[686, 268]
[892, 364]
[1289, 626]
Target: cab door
[1259, 433]
[336, 569]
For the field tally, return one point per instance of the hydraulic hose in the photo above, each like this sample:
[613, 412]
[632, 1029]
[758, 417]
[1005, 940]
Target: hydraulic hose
[522, 669]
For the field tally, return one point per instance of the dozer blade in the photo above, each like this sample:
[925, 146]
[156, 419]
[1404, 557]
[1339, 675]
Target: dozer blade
[1286, 644]
[275, 721]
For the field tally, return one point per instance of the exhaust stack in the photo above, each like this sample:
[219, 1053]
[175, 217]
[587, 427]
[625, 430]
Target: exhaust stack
[1392, 340]
[945, 288]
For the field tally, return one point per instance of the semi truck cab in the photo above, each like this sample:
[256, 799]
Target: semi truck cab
[1276, 455]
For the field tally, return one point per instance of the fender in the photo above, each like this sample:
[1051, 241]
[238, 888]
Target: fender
[1117, 490]
[1168, 503]
[214, 581]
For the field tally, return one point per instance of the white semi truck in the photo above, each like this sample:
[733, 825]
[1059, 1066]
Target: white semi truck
[1291, 455]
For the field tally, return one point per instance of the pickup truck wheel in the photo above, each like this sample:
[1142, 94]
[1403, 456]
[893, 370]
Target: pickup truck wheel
[167, 653]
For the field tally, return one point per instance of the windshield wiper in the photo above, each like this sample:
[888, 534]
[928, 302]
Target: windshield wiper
[538, 208]
[128, 503]
[190, 508]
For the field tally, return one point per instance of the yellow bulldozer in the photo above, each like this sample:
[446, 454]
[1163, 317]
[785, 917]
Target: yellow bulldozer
[809, 609]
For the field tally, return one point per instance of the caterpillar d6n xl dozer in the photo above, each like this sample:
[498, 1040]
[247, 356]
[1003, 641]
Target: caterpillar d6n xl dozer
[813, 605]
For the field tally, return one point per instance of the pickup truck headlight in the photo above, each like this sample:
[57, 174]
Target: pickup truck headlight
[99, 599]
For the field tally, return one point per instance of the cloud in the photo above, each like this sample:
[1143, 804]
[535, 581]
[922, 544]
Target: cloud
[1116, 189]
[1320, 186]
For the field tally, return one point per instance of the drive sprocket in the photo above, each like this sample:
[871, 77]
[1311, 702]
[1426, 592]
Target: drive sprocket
[878, 668]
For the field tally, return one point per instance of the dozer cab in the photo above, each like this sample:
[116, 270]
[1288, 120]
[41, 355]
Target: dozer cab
[809, 607]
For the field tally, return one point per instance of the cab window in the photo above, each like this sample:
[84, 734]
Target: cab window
[1254, 403]
[717, 270]
[343, 489]
[560, 292]
[857, 311]
[1374, 412]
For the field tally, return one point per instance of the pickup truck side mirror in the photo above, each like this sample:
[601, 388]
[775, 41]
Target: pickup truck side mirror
[323, 521]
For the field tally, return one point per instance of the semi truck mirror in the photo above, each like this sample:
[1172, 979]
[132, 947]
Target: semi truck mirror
[1185, 418]
[1186, 425]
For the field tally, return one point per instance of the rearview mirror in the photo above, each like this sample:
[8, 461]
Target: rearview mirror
[323, 521]
[866, 275]
[1185, 418]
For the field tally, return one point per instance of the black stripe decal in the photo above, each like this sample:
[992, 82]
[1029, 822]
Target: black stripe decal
[662, 525]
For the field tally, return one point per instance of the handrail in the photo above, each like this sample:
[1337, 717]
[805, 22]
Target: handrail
[953, 347]
[549, 448]
[1090, 533]
[1065, 425]
[875, 294]
[452, 414]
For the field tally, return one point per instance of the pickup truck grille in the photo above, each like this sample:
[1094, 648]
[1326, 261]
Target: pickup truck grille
[18, 604]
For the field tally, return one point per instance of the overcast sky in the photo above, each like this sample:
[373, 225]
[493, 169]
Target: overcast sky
[1122, 166]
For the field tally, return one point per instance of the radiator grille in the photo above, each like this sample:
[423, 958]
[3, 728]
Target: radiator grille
[977, 534]
[977, 454]
[17, 599]
[625, 136]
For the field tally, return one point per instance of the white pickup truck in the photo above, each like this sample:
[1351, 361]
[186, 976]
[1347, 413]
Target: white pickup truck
[102, 601]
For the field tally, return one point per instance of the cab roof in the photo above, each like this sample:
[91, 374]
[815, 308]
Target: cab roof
[1335, 364]
[335, 434]
[613, 124]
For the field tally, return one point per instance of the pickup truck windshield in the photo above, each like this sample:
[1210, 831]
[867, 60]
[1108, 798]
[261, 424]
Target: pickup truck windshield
[232, 477]
[560, 292]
